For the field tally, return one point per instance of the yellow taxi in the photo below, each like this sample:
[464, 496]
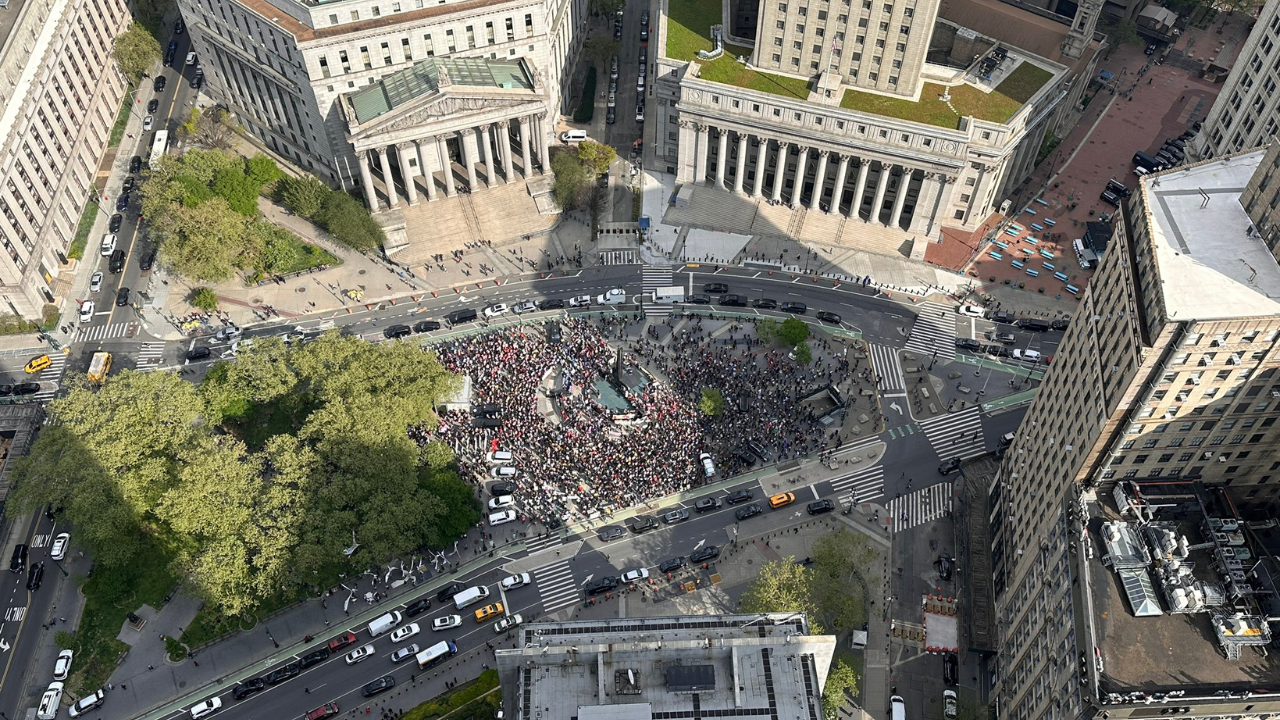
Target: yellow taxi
[38, 364]
[488, 611]
[781, 500]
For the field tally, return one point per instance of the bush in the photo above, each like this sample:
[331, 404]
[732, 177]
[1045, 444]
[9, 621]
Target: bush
[350, 223]
[304, 196]
[587, 103]
[205, 299]
[473, 697]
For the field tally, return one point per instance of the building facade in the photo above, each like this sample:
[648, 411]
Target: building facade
[1168, 372]
[1247, 111]
[282, 66]
[1261, 198]
[58, 102]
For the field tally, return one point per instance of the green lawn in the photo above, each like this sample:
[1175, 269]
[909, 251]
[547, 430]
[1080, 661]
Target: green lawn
[689, 27]
[122, 118]
[996, 106]
[726, 69]
[299, 256]
[81, 240]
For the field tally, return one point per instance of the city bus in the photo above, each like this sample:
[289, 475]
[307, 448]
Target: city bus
[158, 146]
[99, 366]
[436, 654]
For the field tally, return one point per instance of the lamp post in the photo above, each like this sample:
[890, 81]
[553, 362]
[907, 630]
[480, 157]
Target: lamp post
[273, 639]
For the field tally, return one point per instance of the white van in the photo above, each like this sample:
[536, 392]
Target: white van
[108, 244]
[499, 457]
[501, 518]
[50, 702]
[470, 596]
[615, 296]
[708, 466]
[668, 295]
[1028, 355]
[385, 623]
[573, 136]
[899, 708]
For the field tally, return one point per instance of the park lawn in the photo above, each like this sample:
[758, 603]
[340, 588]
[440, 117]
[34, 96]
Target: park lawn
[301, 256]
[689, 27]
[996, 106]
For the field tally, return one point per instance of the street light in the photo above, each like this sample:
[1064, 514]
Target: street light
[273, 639]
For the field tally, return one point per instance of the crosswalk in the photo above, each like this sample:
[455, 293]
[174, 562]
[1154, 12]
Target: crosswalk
[861, 486]
[150, 354]
[542, 542]
[853, 449]
[556, 586]
[889, 378]
[619, 257]
[958, 435]
[50, 377]
[106, 332]
[653, 277]
[921, 506]
[934, 332]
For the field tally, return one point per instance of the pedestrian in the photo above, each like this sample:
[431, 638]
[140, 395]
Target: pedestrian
[306, 690]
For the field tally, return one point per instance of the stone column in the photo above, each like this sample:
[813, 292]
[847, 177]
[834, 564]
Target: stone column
[446, 162]
[410, 187]
[366, 179]
[837, 193]
[780, 169]
[504, 130]
[820, 179]
[491, 175]
[927, 204]
[762, 154]
[802, 159]
[392, 200]
[721, 157]
[864, 167]
[882, 184]
[469, 151]
[428, 170]
[900, 197]
[686, 152]
[525, 151]
[543, 152]
[700, 157]
[742, 162]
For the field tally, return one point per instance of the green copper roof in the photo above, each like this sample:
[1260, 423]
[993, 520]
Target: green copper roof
[423, 78]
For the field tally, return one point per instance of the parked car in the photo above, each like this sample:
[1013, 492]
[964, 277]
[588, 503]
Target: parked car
[797, 308]
[382, 684]
[426, 326]
[58, 550]
[675, 516]
[764, 303]
[642, 524]
[706, 504]
[637, 575]
[672, 565]
[62, 666]
[550, 304]
[580, 301]
[818, 507]
[968, 344]
[158, 84]
[113, 225]
[698, 299]
[601, 585]
[748, 511]
[705, 553]
[247, 688]
[951, 669]
[279, 675]
[315, 657]
[135, 164]
[397, 331]
[828, 317]
[207, 707]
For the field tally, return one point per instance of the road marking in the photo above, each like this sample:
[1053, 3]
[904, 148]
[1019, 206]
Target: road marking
[15, 614]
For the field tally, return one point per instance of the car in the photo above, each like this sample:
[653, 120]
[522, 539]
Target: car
[6, 390]
[617, 32]
[945, 566]
[122, 297]
[170, 52]
[502, 517]
[113, 225]
[1002, 316]
[797, 308]
[732, 300]
[1004, 338]
[968, 344]
[948, 467]
[1110, 198]
[449, 591]
[706, 504]
[153, 105]
[135, 163]
[505, 487]
[951, 669]
[715, 288]
[108, 244]
[610, 117]
[445, 622]
[360, 654]
[95, 282]
[158, 84]
[634, 576]
[37, 364]
[417, 607]
[179, 27]
[507, 623]
[207, 707]
[818, 507]
[672, 565]
[972, 311]
[147, 122]
[612, 297]
[499, 502]
[698, 299]
[130, 184]
[642, 524]
[382, 684]
[748, 511]
[280, 674]
[601, 585]
[1119, 188]
[426, 326]
[35, 576]
[764, 303]
[580, 301]
[675, 516]
[1060, 324]
[639, 113]
[191, 58]
[401, 634]
[524, 307]
[611, 532]
[644, 18]
[87, 703]
[488, 611]
[248, 687]
[997, 351]
[62, 666]
[738, 496]
[1150, 49]
[26, 388]
[58, 550]
[148, 259]
[830, 317]
[197, 80]
[1032, 356]
[394, 332]
[230, 332]
[122, 202]
[516, 581]
[550, 304]
[404, 653]
[198, 353]
[326, 710]
[705, 553]
[315, 657]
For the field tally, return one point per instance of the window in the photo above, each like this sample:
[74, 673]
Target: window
[782, 25]
[803, 12]
[324, 66]
[1150, 443]
[528, 25]
[471, 36]
[333, 19]
[431, 48]
[488, 33]
[782, 7]
[777, 58]
[1140, 459]
[377, 11]
[453, 42]
[365, 58]
[386, 53]
[355, 15]
[822, 14]
[346, 63]
[405, 50]
[1166, 457]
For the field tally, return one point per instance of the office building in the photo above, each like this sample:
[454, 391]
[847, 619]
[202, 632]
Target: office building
[1167, 375]
[1247, 111]
[58, 103]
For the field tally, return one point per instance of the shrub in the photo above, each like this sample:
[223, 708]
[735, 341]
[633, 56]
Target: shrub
[205, 299]
[349, 222]
[587, 103]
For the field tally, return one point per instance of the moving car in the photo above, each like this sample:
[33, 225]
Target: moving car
[449, 591]
[829, 317]
[382, 684]
[417, 607]
[35, 576]
[972, 311]
[601, 585]
[26, 388]
[798, 308]
[122, 297]
[191, 58]
[672, 565]
[817, 507]
[210, 706]
[949, 466]
[495, 310]
[516, 581]
[1028, 355]
[704, 554]
[58, 550]
[507, 623]
[580, 301]
[360, 654]
[404, 633]
[675, 516]
[968, 344]
[404, 653]
[706, 504]
[715, 288]
[489, 611]
[636, 575]
[62, 666]
[343, 640]
[37, 364]
[748, 511]
[781, 500]
[612, 532]
[446, 622]
[1004, 338]
[738, 496]
[247, 688]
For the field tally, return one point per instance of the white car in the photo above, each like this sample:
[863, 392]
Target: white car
[1028, 355]
[108, 244]
[230, 332]
[58, 550]
[404, 653]
[580, 301]
[524, 307]
[87, 703]
[949, 704]
[147, 121]
[206, 708]
[708, 466]
[446, 622]
[86, 311]
[972, 311]
[406, 632]
[502, 501]
[515, 581]
[95, 282]
[507, 623]
[499, 457]
[62, 666]
[635, 575]
[503, 471]
[495, 310]
[502, 517]
[239, 345]
[359, 654]
[612, 297]
[191, 58]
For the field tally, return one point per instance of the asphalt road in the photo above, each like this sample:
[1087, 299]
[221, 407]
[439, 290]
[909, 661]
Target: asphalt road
[625, 128]
[24, 613]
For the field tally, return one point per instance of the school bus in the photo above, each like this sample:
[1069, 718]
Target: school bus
[99, 366]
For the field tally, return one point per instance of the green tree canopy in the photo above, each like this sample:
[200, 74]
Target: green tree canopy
[205, 299]
[595, 157]
[804, 353]
[712, 402]
[602, 48]
[136, 50]
[607, 8]
[782, 586]
[350, 223]
[570, 178]
[842, 677]
[793, 331]
[303, 196]
[839, 560]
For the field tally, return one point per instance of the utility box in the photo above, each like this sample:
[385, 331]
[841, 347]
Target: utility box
[858, 639]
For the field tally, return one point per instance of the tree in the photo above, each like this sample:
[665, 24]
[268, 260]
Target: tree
[843, 678]
[596, 201]
[601, 49]
[838, 562]
[606, 8]
[135, 52]
[204, 243]
[350, 222]
[204, 299]
[767, 330]
[262, 170]
[782, 586]
[712, 402]
[570, 178]
[596, 157]
[804, 353]
[304, 195]
[216, 129]
[238, 189]
[793, 331]
[188, 128]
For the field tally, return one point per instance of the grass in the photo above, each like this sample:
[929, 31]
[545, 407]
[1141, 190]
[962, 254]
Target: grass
[476, 699]
[298, 255]
[996, 106]
[15, 325]
[81, 241]
[689, 27]
[727, 70]
[122, 118]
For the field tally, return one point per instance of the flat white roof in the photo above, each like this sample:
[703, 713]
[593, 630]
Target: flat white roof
[1210, 266]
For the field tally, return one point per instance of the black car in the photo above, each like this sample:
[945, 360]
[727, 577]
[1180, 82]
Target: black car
[949, 466]
[426, 326]
[968, 344]
[135, 164]
[486, 422]
[610, 117]
[716, 288]
[6, 390]
[159, 83]
[706, 504]
[18, 562]
[830, 317]
[486, 409]
[554, 336]
[698, 299]
[733, 301]
[449, 591]
[397, 331]
[153, 105]
[34, 576]
[247, 688]
[417, 607]
[147, 260]
[1002, 316]
[130, 182]
[751, 510]
[743, 453]
[642, 524]
[672, 565]
[279, 675]
[798, 308]
[502, 488]
[738, 496]
[179, 27]
[170, 52]
[1150, 49]
[997, 351]
[675, 516]
[951, 669]
[764, 303]
[315, 657]
[759, 451]
[550, 304]
[1110, 198]
[602, 585]
[122, 297]
[817, 507]
[113, 225]
[197, 80]
[26, 388]
[122, 202]
[612, 532]
[704, 554]
[945, 565]
[382, 684]
[199, 353]
[1060, 324]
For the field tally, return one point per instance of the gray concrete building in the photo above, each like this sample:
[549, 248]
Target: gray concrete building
[1261, 198]
[1247, 111]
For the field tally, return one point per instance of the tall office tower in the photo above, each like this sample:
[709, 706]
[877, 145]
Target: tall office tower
[58, 100]
[1167, 373]
[283, 67]
[1247, 111]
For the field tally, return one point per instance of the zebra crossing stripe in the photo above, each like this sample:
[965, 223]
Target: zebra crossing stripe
[888, 370]
[151, 353]
[956, 436]
[933, 332]
[556, 586]
[920, 507]
[854, 447]
[866, 484]
[541, 543]
[103, 332]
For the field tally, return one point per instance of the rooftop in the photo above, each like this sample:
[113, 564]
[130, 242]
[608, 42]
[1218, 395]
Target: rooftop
[1210, 265]
[996, 106]
[429, 76]
[9, 12]
[689, 30]
[640, 668]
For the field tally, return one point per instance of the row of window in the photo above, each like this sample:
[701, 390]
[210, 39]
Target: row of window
[406, 52]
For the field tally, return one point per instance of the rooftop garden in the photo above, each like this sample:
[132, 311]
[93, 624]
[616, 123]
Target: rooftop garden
[996, 106]
[689, 30]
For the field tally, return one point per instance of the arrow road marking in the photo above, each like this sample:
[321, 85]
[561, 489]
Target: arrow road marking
[701, 542]
[584, 582]
[895, 407]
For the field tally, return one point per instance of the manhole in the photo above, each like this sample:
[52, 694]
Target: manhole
[301, 289]
[182, 683]
[255, 301]
[750, 561]
[362, 272]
